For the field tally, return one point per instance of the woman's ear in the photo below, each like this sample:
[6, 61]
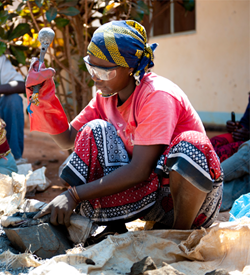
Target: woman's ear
[130, 71]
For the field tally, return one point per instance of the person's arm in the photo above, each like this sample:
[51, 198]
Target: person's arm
[244, 122]
[13, 87]
[242, 133]
[66, 139]
[138, 170]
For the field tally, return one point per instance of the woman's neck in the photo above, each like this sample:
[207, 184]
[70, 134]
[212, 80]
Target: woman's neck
[124, 94]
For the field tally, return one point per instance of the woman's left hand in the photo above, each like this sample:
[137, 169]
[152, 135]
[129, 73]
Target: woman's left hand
[61, 208]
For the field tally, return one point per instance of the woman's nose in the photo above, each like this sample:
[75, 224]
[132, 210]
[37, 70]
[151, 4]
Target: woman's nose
[95, 77]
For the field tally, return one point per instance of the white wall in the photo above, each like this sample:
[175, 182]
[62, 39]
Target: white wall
[211, 64]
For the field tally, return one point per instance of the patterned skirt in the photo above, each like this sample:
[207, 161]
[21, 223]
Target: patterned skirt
[99, 151]
[225, 146]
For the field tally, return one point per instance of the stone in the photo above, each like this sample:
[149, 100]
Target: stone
[218, 272]
[43, 240]
[140, 267]
[165, 270]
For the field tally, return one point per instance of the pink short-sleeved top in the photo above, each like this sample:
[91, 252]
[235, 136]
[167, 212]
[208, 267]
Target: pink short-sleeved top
[155, 113]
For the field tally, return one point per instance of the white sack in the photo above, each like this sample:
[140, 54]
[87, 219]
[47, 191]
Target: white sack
[10, 203]
[223, 246]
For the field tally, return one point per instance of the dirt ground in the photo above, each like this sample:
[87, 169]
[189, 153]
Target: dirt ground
[40, 150]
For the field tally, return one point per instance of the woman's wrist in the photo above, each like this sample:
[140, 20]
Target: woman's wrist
[74, 195]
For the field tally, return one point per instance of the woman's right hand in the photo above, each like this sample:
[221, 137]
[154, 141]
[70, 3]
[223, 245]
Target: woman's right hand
[232, 126]
[36, 77]
[60, 208]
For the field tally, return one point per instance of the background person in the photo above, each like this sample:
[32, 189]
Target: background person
[140, 148]
[227, 144]
[11, 106]
[7, 161]
[236, 176]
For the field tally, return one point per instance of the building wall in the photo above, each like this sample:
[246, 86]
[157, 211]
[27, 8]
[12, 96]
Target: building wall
[211, 64]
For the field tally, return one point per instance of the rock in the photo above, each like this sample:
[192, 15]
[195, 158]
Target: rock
[218, 272]
[140, 267]
[43, 240]
[165, 270]
[53, 160]
[37, 162]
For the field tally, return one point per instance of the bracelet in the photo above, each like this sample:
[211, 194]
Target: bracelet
[76, 194]
[73, 193]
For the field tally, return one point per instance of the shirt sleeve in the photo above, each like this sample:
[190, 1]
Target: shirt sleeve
[157, 119]
[90, 112]
[8, 72]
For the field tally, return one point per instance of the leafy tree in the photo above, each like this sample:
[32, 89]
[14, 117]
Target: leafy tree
[73, 22]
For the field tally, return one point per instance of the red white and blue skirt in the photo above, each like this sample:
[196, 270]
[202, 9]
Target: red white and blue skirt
[99, 151]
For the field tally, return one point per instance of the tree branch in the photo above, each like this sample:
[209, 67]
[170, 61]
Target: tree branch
[32, 16]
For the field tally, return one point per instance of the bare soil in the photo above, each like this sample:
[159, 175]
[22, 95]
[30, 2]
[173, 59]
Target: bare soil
[40, 150]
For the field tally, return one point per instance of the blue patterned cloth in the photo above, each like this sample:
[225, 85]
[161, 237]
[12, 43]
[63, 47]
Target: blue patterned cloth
[125, 44]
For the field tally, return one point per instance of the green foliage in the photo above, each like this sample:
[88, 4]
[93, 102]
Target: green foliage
[18, 53]
[61, 22]
[70, 11]
[73, 22]
[19, 38]
[20, 30]
[51, 14]
[3, 47]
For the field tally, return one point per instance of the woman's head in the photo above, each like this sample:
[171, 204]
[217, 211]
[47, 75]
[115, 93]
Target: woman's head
[123, 43]
[110, 78]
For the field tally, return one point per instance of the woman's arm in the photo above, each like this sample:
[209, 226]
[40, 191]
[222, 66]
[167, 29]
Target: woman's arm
[138, 170]
[66, 139]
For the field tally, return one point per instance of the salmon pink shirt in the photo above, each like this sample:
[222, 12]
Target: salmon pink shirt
[155, 113]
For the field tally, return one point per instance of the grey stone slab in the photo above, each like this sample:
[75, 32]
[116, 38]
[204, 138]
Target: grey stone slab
[43, 240]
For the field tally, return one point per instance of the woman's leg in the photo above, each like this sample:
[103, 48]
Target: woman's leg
[187, 200]
[191, 187]
[99, 151]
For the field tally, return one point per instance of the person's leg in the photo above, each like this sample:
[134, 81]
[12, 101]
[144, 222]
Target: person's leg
[99, 151]
[233, 189]
[220, 140]
[8, 165]
[225, 146]
[11, 111]
[187, 200]
[226, 151]
[236, 176]
[191, 190]
[238, 164]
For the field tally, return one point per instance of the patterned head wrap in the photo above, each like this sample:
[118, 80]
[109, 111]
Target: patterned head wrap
[125, 44]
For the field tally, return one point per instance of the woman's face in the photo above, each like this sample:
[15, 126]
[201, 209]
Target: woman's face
[120, 83]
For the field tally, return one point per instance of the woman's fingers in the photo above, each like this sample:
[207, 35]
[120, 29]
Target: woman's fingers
[60, 209]
[54, 216]
[67, 219]
[46, 210]
[60, 217]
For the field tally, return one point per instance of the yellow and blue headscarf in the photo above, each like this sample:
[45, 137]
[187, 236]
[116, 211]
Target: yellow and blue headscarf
[125, 44]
